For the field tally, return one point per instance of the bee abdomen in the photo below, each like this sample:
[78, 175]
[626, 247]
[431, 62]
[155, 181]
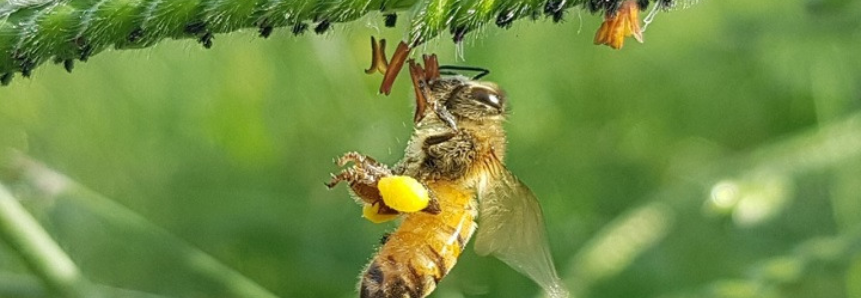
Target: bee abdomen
[417, 277]
[422, 251]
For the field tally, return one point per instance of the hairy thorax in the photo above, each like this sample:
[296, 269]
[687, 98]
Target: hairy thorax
[436, 152]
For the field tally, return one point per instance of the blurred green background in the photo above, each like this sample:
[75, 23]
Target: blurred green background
[722, 158]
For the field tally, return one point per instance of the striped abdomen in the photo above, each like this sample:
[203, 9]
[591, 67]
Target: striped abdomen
[423, 249]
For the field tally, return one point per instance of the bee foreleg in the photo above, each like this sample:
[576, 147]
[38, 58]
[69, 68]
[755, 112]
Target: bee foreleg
[446, 116]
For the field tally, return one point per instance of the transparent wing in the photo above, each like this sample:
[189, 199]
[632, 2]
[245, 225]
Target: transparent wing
[511, 228]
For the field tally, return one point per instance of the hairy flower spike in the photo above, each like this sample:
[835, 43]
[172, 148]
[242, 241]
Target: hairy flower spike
[619, 25]
[33, 32]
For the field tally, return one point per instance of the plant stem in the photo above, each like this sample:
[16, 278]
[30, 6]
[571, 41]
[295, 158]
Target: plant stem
[39, 251]
[35, 31]
[51, 185]
[645, 226]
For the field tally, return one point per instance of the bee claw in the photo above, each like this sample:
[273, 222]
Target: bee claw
[348, 175]
[335, 179]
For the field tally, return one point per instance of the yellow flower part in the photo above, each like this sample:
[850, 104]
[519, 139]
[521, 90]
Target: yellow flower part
[403, 193]
[625, 22]
[371, 213]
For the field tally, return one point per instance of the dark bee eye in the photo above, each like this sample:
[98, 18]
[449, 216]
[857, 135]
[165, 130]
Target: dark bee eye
[487, 97]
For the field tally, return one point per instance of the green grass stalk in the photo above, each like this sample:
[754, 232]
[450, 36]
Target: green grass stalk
[33, 32]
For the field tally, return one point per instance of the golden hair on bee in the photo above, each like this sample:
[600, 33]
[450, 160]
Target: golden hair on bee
[451, 171]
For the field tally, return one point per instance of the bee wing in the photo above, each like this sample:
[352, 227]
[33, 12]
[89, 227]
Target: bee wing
[511, 227]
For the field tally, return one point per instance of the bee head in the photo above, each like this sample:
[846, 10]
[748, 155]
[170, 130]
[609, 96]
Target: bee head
[454, 98]
[457, 99]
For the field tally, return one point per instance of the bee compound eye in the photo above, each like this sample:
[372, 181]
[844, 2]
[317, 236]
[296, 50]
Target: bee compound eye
[488, 97]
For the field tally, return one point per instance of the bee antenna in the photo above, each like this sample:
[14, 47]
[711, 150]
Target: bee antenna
[451, 70]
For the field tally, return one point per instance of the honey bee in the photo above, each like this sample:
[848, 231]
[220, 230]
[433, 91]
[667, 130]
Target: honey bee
[456, 153]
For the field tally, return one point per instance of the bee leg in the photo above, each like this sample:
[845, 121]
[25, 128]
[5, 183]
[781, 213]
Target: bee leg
[367, 169]
[362, 190]
[362, 176]
[353, 175]
[354, 157]
[345, 175]
[445, 116]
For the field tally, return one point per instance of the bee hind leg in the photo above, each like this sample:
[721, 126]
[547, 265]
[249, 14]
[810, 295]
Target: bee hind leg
[362, 176]
[345, 175]
[361, 161]
[365, 169]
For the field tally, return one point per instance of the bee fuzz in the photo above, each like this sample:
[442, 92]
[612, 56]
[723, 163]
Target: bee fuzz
[403, 193]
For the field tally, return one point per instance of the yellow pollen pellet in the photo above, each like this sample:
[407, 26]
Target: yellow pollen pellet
[403, 193]
[370, 212]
